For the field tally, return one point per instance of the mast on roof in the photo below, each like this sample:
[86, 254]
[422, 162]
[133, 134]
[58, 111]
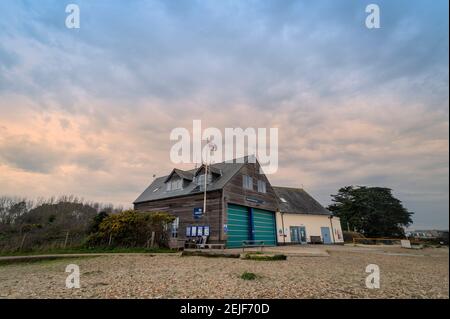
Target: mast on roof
[212, 148]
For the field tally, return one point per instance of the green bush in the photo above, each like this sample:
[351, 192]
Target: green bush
[131, 229]
[248, 276]
[263, 257]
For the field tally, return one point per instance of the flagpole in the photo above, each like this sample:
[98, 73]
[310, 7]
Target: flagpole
[205, 182]
[206, 177]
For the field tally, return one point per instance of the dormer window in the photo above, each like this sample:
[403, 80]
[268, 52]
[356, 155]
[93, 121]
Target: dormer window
[174, 184]
[201, 179]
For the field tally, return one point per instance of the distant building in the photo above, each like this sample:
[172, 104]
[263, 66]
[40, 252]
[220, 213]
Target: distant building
[428, 234]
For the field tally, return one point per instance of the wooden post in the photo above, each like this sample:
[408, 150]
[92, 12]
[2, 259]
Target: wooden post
[65, 241]
[23, 240]
[152, 240]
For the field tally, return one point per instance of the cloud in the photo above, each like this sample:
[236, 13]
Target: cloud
[30, 156]
[90, 111]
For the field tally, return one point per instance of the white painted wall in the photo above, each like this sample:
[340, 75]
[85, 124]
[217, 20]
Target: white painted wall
[312, 224]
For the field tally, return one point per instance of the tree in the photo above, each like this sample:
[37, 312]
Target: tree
[12, 208]
[372, 211]
[96, 221]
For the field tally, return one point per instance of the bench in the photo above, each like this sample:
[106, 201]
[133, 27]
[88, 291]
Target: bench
[316, 240]
[252, 243]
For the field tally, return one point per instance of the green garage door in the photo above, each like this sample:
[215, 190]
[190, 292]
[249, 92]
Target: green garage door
[238, 225]
[264, 226]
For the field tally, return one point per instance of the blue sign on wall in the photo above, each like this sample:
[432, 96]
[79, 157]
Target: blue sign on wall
[198, 212]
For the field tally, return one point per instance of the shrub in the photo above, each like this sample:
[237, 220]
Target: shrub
[253, 256]
[209, 254]
[132, 229]
[248, 276]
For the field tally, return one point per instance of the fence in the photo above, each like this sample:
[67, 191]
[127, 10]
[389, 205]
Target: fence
[40, 241]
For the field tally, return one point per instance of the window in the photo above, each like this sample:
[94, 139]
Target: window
[201, 179]
[174, 184]
[261, 186]
[175, 225]
[248, 182]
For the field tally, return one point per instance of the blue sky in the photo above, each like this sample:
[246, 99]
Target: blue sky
[89, 111]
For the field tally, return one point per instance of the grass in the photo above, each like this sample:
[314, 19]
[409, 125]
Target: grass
[248, 276]
[83, 250]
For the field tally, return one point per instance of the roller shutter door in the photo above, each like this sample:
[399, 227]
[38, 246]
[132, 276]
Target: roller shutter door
[238, 225]
[264, 226]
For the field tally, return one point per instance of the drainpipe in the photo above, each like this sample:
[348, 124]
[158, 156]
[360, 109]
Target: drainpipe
[332, 230]
[282, 225]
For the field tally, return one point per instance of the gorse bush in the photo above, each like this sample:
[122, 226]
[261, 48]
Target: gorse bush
[132, 229]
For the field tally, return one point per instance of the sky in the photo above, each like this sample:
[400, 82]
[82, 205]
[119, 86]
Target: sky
[89, 111]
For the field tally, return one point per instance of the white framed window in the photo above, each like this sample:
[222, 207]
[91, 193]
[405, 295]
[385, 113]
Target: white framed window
[201, 179]
[174, 184]
[247, 182]
[175, 226]
[261, 186]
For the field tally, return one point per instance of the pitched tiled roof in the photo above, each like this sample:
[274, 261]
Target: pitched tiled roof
[298, 201]
[187, 175]
[157, 189]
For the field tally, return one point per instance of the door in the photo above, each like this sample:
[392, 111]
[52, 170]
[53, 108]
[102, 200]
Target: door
[302, 234]
[264, 226]
[298, 234]
[295, 234]
[238, 225]
[326, 238]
